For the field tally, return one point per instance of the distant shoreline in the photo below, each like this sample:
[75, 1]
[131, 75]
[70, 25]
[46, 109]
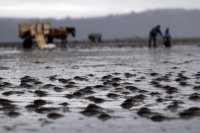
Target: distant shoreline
[111, 43]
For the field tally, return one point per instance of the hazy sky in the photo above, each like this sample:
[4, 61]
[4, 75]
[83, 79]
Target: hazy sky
[85, 8]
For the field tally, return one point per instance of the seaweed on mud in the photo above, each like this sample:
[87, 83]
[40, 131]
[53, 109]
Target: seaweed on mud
[170, 89]
[7, 105]
[5, 84]
[79, 93]
[53, 77]
[181, 78]
[104, 116]
[132, 88]
[155, 94]
[41, 93]
[64, 81]
[69, 86]
[154, 116]
[47, 86]
[94, 110]
[8, 93]
[116, 79]
[112, 95]
[54, 116]
[64, 104]
[196, 87]
[129, 75]
[45, 110]
[195, 97]
[173, 106]
[99, 86]
[96, 99]
[26, 85]
[39, 102]
[28, 79]
[13, 114]
[154, 74]
[107, 77]
[80, 78]
[130, 102]
[115, 84]
[156, 84]
[190, 113]
[58, 89]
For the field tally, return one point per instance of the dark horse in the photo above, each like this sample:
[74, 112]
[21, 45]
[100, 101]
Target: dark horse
[61, 33]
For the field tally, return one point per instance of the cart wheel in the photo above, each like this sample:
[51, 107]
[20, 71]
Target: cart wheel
[27, 43]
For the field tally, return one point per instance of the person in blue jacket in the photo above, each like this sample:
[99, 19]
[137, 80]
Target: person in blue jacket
[167, 38]
[153, 35]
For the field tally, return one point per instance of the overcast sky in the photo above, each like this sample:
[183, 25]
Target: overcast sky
[85, 8]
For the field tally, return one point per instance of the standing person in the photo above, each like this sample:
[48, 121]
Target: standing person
[153, 35]
[167, 38]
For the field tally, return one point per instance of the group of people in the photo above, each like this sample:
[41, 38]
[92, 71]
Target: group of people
[156, 31]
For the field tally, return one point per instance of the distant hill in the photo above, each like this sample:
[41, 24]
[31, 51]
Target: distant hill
[183, 23]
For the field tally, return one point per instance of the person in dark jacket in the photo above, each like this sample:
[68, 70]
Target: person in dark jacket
[153, 35]
[167, 38]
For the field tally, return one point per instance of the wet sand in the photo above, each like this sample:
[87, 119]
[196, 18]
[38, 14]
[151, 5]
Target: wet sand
[100, 89]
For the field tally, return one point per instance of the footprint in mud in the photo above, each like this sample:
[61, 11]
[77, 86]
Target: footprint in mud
[94, 110]
[132, 101]
[190, 113]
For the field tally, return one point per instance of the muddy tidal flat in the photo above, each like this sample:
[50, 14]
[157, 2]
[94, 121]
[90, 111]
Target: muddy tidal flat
[100, 90]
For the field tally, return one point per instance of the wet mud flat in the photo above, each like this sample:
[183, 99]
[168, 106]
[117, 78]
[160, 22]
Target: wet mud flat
[100, 89]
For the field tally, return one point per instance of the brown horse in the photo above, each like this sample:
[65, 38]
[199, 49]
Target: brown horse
[61, 33]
